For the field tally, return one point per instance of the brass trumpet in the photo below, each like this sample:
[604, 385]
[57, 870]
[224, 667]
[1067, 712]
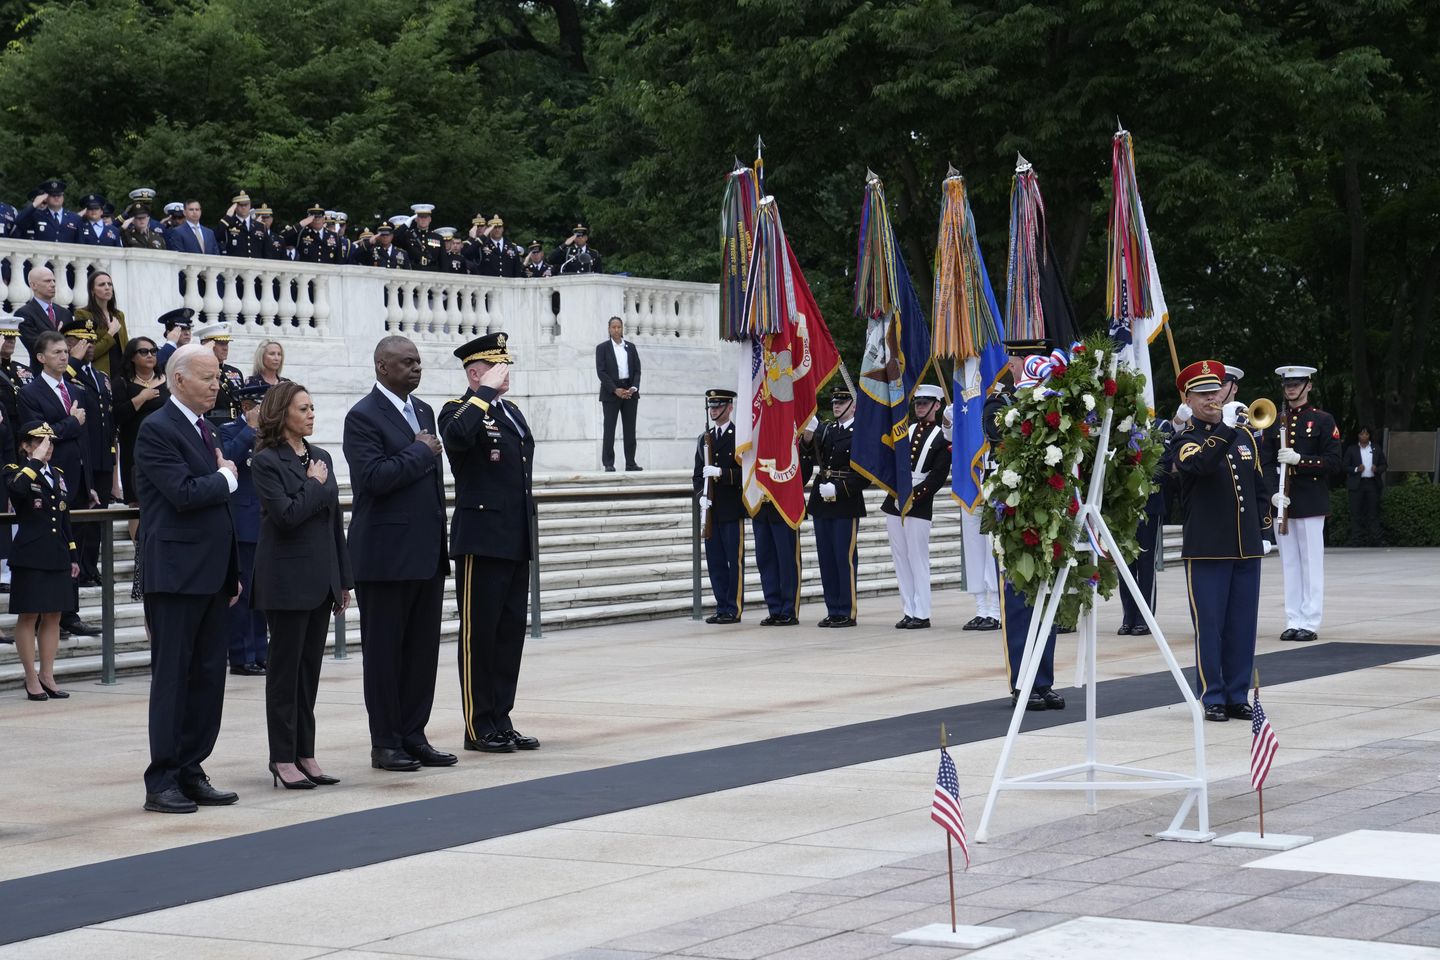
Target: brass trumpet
[1260, 413]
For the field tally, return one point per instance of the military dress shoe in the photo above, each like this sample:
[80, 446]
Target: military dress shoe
[632, 468]
[248, 670]
[521, 741]
[1215, 712]
[790, 621]
[842, 621]
[1139, 630]
[713, 618]
[392, 758]
[1306, 636]
[988, 623]
[169, 801]
[1290, 634]
[769, 621]
[80, 628]
[203, 792]
[1033, 702]
[974, 623]
[491, 743]
[919, 623]
[724, 618]
[827, 622]
[904, 622]
[430, 757]
[1240, 711]
[609, 469]
[1124, 630]
[1051, 699]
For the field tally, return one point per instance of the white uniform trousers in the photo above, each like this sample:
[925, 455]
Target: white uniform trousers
[910, 549]
[1302, 557]
[981, 580]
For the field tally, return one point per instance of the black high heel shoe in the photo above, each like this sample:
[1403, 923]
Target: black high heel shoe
[37, 697]
[54, 694]
[319, 779]
[304, 783]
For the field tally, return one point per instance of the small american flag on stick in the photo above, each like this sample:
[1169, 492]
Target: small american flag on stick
[1263, 744]
[945, 809]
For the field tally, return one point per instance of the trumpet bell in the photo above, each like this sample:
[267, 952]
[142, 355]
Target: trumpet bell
[1261, 413]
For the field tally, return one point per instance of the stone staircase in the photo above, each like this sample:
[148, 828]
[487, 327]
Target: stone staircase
[612, 548]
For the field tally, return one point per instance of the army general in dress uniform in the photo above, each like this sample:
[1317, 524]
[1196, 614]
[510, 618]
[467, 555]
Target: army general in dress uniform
[491, 451]
[837, 502]
[1225, 506]
[716, 482]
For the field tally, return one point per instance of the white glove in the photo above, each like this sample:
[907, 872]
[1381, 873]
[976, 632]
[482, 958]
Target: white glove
[1287, 455]
[827, 491]
[710, 470]
[814, 423]
[917, 477]
[949, 415]
[1266, 546]
[1231, 413]
[1280, 500]
[1184, 414]
[704, 503]
[946, 432]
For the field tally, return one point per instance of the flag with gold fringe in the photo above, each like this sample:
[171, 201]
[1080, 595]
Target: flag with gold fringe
[897, 351]
[967, 329]
[1135, 303]
[1037, 305]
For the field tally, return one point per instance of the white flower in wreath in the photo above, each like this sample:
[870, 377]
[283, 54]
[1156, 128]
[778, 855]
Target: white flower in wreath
[1124, 425]
[1053, 455]
[1010, 478]
[988, 490]
[1089, 401]
[1099, 357]
[1071, 562]
[1011, 416]
[1039, 392]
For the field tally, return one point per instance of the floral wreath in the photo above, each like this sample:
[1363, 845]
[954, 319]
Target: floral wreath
[1042, 463]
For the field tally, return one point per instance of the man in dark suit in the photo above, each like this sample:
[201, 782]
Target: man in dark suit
[190, 574]
[397, 553]
[192, 236]
[40, 312]
[492, 451]
[1364, 466]
[617, 364]
[46, 219]
[248, 635]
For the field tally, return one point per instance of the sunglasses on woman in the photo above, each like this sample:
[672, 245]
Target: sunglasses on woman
[146, 352]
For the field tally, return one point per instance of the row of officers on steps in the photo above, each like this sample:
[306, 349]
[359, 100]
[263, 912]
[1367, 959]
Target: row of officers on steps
[1222, 470]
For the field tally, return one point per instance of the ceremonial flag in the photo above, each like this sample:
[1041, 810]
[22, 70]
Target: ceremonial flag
[1037, 304]
[945, 808]
[1136, 303]
[791, 356]
[897, 351]
[1263, 744]
[966, 328]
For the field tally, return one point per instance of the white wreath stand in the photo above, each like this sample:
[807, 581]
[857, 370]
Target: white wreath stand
[1194, 784]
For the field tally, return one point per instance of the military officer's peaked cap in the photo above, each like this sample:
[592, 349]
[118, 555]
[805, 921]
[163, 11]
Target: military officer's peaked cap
[491, 348]
[241, 197]
[1026, 346]
[718, 397]
[81, 328]
[93, 201]
[55, 187]
[841, 396]
[447, 233]
[929, 391]
[420, 209]
[581, 229]
[398, 219]
[1295, 372]
[384, 230]
[341, 216]
[37, 429]
[316, 209]
[1233, 374]
[495, 221]
[264, 210]
[9, 326]
[175, 206]
[1203, 376]
[179, 317]
[216, 332]
[143, 195]
[535, 245]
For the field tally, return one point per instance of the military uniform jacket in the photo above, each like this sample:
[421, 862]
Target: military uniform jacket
[828, 454]
[491, 454]
[1316, 438]
[240, 238]
[314, 246]
[7, 219]
[13, 378]
[43, 540]
[146, 239]
[42, 225]
[226, 408]
[501, 259]
[537, 270]
[237, 440]
[455, 263]
[98, 400]
[268, 244]
[107, 236]
[573, 259]
[725, 503]
[1224, 491]
[425, 249]
[929, 454]
[391, 257]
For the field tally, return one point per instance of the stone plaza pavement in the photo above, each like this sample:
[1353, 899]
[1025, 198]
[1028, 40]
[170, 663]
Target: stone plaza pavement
[829, 864]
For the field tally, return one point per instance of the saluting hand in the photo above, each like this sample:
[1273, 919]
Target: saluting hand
[430, 440]
[496, 377]
[43, 452]
[317, 470]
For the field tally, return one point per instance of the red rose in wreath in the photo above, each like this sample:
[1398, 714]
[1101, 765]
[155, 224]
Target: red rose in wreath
[1059, 548]
[1073, 507]
[1009, 510]
[1053, 419]
[1136, 457]
[1056, 481]
[1084, 429]
[1027, 428]
[1110, 387]
[1030, 537]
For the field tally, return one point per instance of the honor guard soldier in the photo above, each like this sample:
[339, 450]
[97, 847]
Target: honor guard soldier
[137, 228]
[96, 230]
[216, 336]
[575, 255]
[45, 217]
[312, 242]
[492, 452]
[422, 245]
[777, 557]
[717, 485]
[238, 232]
[502, 257]
[836, 504]
[384, 252]
[982, 579]
[452, 258]
[1225, 507]
[534, 264]
[1311, 454]
[910, 535]
[1016, 611]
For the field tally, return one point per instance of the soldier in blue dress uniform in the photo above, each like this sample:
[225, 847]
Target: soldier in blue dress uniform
[97, 230]
[45, 218]
[534, 264]
[312, 242]
[725, 548]
[837, 502]
[248, 637]
[384, 252]
[1225, 505]
[575, 255]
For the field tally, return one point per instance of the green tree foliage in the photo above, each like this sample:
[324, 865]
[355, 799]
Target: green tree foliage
[1286, 150]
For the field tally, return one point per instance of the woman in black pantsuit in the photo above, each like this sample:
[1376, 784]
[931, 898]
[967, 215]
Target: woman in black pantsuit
[302, 575]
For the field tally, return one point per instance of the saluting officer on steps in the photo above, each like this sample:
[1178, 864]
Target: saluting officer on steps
[238, 232]
[423, 246]
[492, 452]
[1225, 505]
[725, 548]
[837, 502]
[1311, 455]
[910, 535]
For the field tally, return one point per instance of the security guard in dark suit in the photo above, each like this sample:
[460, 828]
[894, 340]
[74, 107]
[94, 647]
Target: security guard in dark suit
[836, 504]
[716, 482]
[96, 230]
[249, 639]
[1225, 504]
[1016, 611]
[491, 450]
[423, 247]
[14, 375]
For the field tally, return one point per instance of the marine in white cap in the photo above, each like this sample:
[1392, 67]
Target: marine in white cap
[424, 247]
[910, 536]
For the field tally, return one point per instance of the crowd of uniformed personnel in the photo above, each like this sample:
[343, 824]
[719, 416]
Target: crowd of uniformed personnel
[402, 242]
